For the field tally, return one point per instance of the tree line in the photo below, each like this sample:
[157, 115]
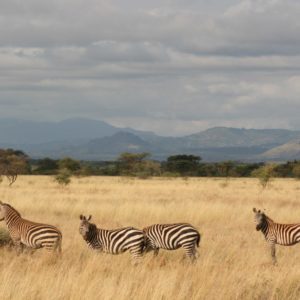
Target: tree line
[15, 162]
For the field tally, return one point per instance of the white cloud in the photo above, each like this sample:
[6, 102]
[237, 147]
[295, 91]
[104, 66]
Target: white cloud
[164, 65]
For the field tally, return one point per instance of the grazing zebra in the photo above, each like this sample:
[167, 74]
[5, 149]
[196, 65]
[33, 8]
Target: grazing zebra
[172, 237]
[113, 241]
[281, 234]
[27, 233]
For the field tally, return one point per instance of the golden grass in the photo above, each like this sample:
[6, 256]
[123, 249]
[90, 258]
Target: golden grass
[234, 260]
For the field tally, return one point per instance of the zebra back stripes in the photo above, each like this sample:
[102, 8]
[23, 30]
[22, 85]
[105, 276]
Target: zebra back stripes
[28, 233]
[172, 237]
[114, 241]
[275, 233]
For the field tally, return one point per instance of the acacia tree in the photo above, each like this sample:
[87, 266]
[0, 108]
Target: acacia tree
[183, 164]
[264, 174]
[46, 166]
[13, 163]
[69, 164]
[224, 168]
[134, 163]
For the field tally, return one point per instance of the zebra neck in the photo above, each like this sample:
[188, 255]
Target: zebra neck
[91, 237]
[11, 219]
[266, 226]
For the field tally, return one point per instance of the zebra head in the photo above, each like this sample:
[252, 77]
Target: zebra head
[85, 226]
[259, 219]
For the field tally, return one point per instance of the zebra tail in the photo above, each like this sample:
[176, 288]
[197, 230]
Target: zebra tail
[198, 240]
[58, 244]
[145, 245]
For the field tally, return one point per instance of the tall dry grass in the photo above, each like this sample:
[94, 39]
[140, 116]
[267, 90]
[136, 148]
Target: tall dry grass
[234, 260]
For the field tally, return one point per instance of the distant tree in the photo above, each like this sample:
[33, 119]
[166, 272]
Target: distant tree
[69, 164]
[46, 166]
[287, 169]
[185, 165]
[245, 170]
[224, 168]
[264, 174]
[147, 169]
[130, 163]
[87, 170]
[63, 177]
[13, 163]
[296, 170]
[109, 168]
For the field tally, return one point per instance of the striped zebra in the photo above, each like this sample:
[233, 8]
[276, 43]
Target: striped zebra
[172, 237]
[281, 234]
[27, 233]
[114, 241]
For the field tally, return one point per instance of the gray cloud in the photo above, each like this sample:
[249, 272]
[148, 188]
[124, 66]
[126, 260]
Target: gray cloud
[174, 67]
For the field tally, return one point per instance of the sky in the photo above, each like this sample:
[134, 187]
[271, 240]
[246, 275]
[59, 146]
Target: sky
[173, 67]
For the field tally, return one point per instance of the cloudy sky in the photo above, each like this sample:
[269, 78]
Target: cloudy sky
[170, 66]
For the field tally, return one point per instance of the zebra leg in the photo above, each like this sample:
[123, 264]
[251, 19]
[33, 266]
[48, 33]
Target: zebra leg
[136, 254]
[58, 246]
[18, 246]
[150, 246]
[273, 252]
[189, 251]
[195, 252]
[155, 251]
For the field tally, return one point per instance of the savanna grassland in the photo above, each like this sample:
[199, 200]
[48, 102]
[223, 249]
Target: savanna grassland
[234, 261]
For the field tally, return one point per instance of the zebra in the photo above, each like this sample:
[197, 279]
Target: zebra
[114, 241]
[281, 234]
[172, 237]
[30, 234]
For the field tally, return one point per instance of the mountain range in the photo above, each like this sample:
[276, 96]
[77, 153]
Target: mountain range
[87, 139]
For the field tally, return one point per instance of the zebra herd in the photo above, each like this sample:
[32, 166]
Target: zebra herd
[152, 238]
[165, 236]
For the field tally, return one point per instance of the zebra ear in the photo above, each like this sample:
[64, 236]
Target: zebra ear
[254, 209]
[89, 217]
[81, 217]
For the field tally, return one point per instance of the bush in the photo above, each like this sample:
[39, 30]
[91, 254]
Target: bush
[264, 174]
[70, 164]
[185, 165]
[296, 171]
[46, 166]
[63, 177]
[4, 237]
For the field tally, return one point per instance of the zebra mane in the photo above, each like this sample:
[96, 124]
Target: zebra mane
[12, 209]
[92, 227]
[267, 218]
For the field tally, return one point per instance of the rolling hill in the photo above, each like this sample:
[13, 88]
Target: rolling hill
[97, 140]
[287, 151]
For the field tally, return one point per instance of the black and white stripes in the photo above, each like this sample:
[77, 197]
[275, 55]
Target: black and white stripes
[112, 241]
[28, 233]
[172, 237]
[282, 234]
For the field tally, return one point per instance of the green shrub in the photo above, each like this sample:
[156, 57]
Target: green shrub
[264, 174]
[4, 237]
[296, 171]
[63, 177]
